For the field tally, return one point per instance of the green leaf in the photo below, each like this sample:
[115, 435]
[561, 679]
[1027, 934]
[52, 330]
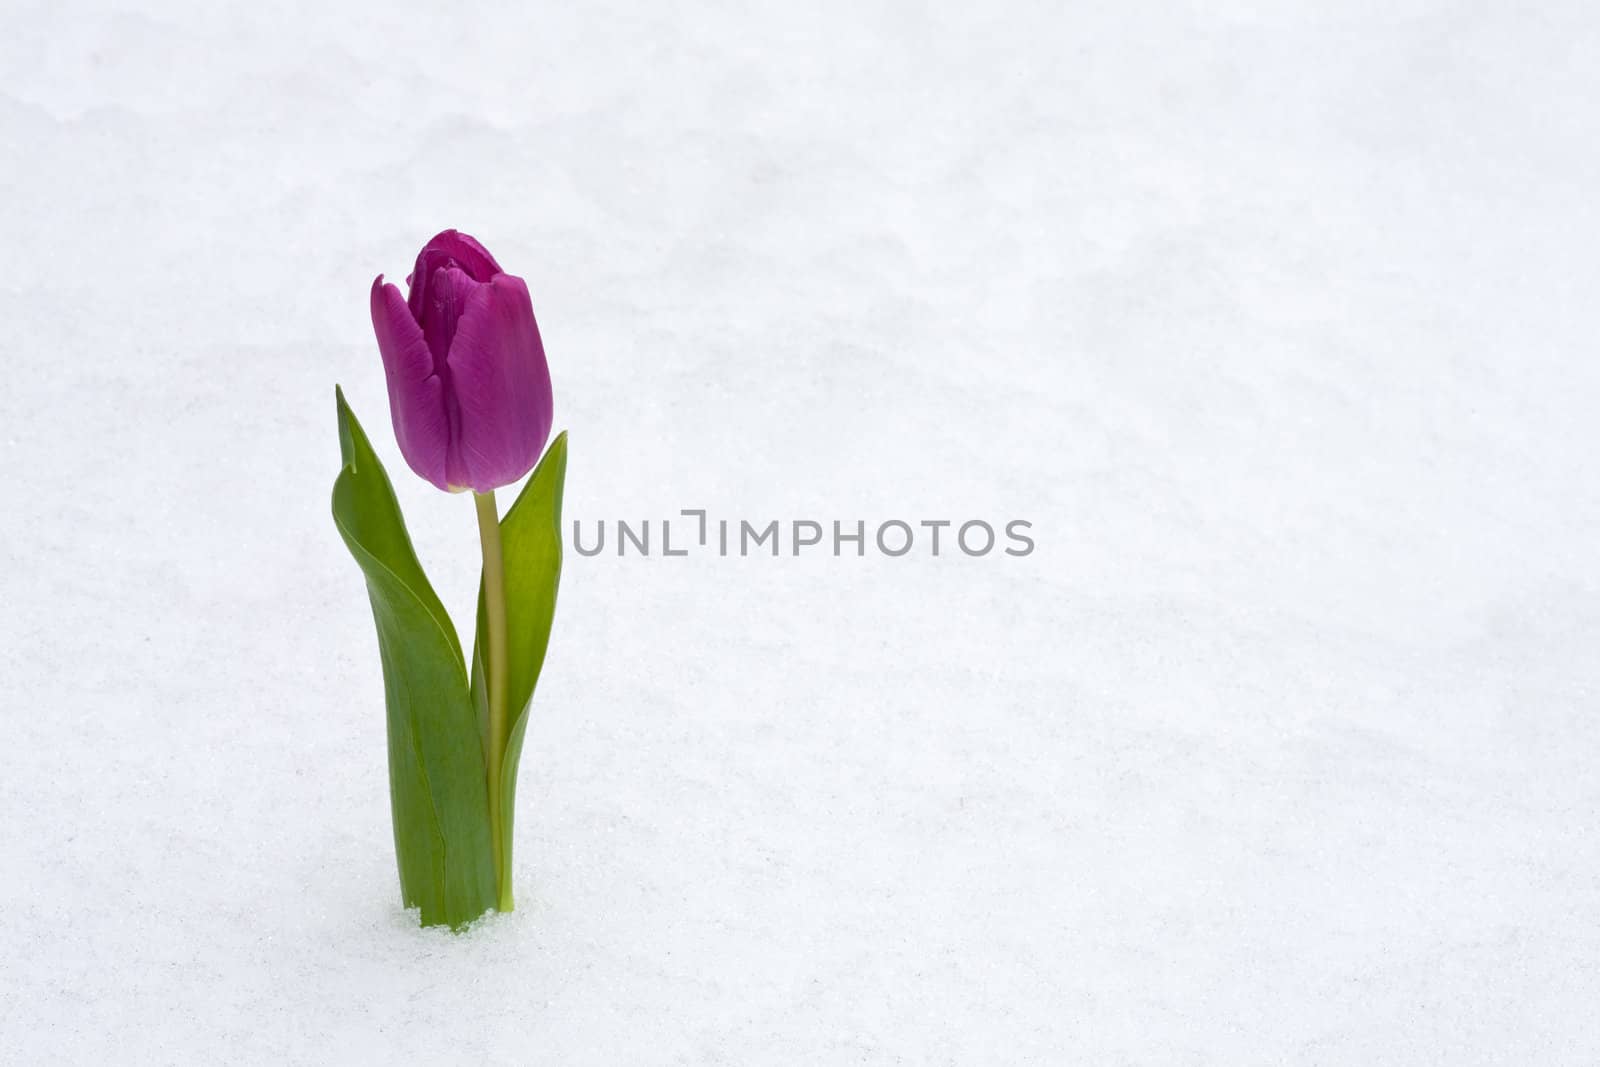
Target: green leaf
[530, 537]
[438, 790]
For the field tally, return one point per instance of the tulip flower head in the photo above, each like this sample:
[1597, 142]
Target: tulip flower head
[469, 389]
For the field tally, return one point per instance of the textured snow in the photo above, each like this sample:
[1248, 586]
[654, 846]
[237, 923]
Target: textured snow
[1276, 320]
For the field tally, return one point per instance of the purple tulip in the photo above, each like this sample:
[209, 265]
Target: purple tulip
[469, 389]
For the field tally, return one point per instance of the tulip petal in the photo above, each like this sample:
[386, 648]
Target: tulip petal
[416, 395]
[450, 248]
[446, 300]
[471, 256]
[501, 385]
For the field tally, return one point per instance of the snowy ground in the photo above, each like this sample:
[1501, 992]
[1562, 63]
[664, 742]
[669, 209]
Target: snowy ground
[1275, 319]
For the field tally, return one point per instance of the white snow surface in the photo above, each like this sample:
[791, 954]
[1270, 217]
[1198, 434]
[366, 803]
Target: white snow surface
[1277, 321]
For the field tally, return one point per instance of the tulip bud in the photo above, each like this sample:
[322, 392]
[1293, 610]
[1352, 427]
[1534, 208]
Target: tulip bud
[469, 389]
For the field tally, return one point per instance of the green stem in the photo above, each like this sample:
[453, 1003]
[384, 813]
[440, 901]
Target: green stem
[494, 600]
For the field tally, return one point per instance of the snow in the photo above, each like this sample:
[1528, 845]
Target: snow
[1275, 320]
